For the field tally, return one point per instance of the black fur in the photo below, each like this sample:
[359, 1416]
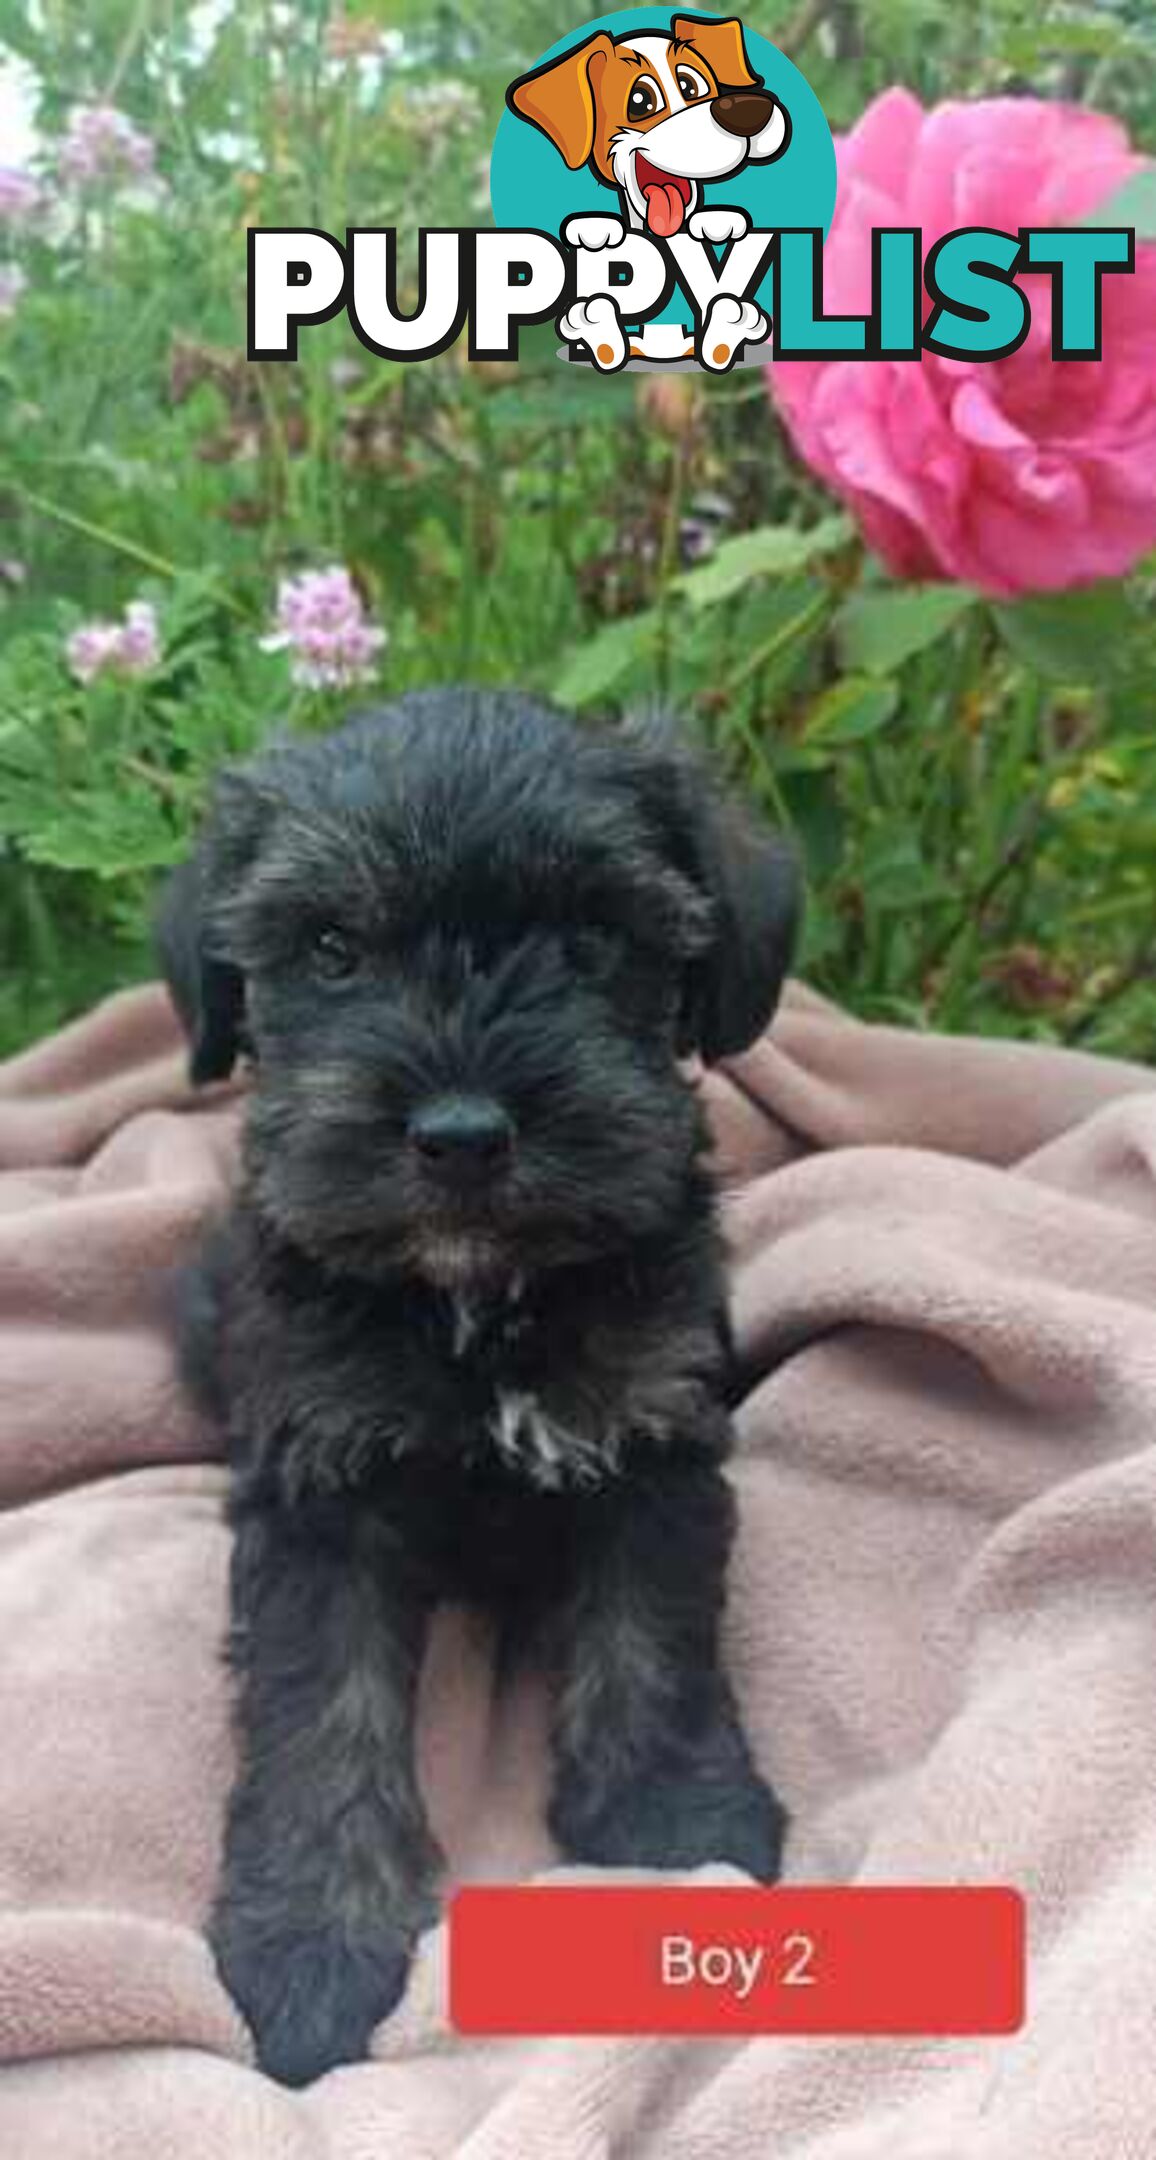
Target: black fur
[493, 1370]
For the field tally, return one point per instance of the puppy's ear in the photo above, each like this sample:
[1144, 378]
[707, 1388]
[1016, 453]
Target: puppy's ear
[208, 992]
[560, 98]
[720, 44]
[206, 986]
[751, 879]
[748, 876]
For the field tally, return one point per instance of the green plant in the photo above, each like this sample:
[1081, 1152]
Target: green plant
[974, 787]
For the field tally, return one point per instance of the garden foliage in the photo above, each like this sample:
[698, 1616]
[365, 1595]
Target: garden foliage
[971, 773]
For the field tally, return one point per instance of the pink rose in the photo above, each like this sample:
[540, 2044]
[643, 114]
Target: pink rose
[1014, 475]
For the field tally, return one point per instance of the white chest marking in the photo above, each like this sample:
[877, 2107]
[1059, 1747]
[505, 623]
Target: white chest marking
[465, 1322]
[549, 1454]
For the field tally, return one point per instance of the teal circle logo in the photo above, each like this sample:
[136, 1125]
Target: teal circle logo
[650, 116]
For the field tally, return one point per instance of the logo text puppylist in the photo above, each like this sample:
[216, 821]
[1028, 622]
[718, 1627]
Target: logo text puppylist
[684, 176]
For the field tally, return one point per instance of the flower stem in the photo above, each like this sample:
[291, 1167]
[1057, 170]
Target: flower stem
[105, 537]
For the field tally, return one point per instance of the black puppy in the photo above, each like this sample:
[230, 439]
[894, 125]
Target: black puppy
[464, 1325]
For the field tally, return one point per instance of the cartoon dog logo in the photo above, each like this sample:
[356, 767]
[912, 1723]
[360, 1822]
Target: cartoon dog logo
[658, 118]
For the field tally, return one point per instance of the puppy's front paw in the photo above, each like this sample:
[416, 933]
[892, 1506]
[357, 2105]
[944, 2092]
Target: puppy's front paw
[310, 1996]
[730, 324]
[598, 324]
[718, 225]
[595, 233]
[675, 1819]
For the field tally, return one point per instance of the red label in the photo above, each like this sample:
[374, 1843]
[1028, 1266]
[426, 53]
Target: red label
[792, 1960]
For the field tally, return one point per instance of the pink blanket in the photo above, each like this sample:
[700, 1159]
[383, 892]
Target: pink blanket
[942, 1628]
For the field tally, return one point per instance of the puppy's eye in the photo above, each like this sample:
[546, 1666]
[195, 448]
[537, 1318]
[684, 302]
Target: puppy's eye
[333, 955]
[645, 99]
[691, 84]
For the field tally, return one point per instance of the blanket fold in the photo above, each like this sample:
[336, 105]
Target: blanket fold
[942, 1623]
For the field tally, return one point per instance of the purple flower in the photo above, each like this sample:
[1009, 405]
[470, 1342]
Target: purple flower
[102, 144]
[19, 195]
[321, 623]
[130, 647]
[12, 284]
[140, 645]
[92, 649]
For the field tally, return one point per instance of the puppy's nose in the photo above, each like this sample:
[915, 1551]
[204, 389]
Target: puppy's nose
[461, 1138]
[743, 112]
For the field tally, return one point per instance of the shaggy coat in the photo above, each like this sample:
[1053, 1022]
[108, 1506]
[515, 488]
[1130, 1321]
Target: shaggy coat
[464, 1322]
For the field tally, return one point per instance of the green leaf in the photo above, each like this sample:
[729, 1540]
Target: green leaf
[770, 551]
[895, 875]
[878, 631]
[1132, 204]
[1100, 39]
[579, 396]
[771, 633]
[1079, 636]
[851, 710]
[595, 666]
[818, 817]
[104, 834]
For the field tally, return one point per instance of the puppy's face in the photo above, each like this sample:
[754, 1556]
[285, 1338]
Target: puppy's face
[657, 115]
[467, 944]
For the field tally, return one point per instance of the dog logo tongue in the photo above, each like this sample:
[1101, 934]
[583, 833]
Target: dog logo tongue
[667, 197]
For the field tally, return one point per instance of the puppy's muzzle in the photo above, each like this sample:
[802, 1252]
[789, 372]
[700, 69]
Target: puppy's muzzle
[462, 1140]
[742, 112]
